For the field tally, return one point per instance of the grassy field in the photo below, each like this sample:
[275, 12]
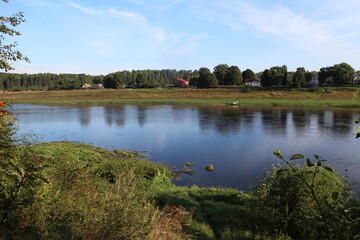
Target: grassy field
[319, 97]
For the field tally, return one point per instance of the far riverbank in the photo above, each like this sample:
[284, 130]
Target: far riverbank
[311, 97]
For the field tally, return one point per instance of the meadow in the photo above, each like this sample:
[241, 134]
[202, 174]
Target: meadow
[319, 97]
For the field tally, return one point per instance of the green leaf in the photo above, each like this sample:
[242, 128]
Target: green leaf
[317, 157]
[318, 163]
[335, 196]
[282, 172]
[328, 168]
[309, 163]
[296, 156]
[278, 154]
[357, 132]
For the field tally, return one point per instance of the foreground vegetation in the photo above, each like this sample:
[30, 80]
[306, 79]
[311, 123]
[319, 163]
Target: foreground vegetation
[320, 97]
[65, 190]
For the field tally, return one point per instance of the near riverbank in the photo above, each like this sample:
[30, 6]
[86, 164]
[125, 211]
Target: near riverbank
[317, 97]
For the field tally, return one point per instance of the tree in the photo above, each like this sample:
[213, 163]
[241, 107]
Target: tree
[285, 75]
[308, 76]
[206, 79]
[278, 75]
[343, 74]
[265, 78]
[339, 74]
[248, 74]
[233, 76]
[299, 78]
[220, 72]
[324, 75]
[115, 80]
[140, 80]
[8, 52]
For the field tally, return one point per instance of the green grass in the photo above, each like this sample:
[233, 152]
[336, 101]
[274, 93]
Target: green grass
[318, 97]
[242, 102]
[223, 210]
[215, 211]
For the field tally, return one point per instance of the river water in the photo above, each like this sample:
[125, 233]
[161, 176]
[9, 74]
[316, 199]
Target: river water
[238, 141]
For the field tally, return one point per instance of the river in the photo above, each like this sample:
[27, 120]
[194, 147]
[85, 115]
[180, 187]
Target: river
[238, 141]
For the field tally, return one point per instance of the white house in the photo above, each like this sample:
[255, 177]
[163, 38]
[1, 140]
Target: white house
[356, 79]
[252, 82]
[86, 85]
[314, 81]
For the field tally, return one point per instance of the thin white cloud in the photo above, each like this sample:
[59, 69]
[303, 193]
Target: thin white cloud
[87, 10]
[280, 24]
[133, 31]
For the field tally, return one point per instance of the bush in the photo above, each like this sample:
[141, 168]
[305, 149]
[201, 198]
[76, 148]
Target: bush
[303, 201]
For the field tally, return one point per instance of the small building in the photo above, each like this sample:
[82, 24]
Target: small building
[86, 85]
[179, 82]
[100, 86]
[356, 79]
[314, 81]
[252, 82]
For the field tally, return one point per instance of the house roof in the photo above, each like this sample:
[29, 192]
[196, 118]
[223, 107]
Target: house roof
[181, 80]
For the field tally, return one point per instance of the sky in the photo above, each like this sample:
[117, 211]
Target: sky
[101, 37]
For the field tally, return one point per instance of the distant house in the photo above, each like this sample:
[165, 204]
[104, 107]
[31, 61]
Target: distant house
[100, 86]
[252, 82]
[86, 85]
[179, 82]
[356, 79]
[314, 81]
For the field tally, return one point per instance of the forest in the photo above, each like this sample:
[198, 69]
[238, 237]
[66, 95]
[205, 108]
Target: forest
[278, 76]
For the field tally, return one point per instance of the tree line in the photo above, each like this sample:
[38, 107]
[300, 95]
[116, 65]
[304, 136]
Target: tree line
[222, 74]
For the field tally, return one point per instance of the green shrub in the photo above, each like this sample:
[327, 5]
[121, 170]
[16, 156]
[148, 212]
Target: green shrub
[304, 201]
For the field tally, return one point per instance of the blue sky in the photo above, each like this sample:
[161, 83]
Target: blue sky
[99, 37]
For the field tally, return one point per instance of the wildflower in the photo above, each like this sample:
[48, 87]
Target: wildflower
[1, 103]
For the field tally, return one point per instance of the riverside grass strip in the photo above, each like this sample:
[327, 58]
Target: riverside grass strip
[331, 97]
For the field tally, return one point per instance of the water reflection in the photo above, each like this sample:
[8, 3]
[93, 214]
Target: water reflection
[301, 120]
[274, 121]
[115, 115]
[224, 121]
[141, 115]
[84, 116]
[237, 141]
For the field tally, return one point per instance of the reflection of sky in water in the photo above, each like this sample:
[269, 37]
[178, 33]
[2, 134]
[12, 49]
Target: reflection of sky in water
[238, 141]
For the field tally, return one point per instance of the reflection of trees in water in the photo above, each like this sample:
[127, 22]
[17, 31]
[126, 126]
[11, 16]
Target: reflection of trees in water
[141, 115]
[84, 116]
[274, 121]
[301, 119]
[181, 113]
[338, 123]
[248, 117]
[115, 115]
[223, 120]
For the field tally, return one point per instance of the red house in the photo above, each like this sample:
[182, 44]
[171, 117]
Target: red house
[179, 82]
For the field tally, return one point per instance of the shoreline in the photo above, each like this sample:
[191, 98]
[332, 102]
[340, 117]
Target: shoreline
[334, 98]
